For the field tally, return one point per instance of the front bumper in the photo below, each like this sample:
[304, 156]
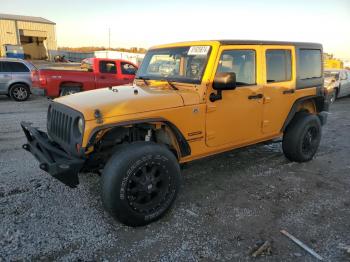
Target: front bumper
[38, 91]
[52, 158]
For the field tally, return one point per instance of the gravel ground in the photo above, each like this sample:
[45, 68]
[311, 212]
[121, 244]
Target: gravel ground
[229, 204]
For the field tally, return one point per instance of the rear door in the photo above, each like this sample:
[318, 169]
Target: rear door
[108, 75]
[279, 86]
[344, 78]
[5, 77]
[348, 82]
[20, 72]
[128, 72]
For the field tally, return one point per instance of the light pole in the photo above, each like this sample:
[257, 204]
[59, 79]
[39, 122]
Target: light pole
[109, 38]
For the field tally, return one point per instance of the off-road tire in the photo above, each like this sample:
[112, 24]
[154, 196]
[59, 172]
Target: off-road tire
[19, 92]
[69, 90]
[302, 137]
[140, 182]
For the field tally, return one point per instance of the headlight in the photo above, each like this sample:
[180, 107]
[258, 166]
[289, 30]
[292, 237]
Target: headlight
[80, 125]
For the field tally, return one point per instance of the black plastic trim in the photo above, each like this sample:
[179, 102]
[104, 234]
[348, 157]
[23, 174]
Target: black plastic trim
[53, 159]
[321, 106]
[74, 140]
[183, 144]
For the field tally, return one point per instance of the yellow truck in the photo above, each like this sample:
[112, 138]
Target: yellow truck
[188, 101]
[333, 64]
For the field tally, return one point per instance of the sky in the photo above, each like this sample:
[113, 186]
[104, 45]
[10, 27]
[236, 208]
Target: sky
[140, 23]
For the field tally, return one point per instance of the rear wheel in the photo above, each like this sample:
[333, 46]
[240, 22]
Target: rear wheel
[19, 92]
[69, 90]
[302, 137]
[140, 182]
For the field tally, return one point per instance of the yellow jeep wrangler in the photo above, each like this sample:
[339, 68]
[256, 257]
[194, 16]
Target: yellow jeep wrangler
[188, 101]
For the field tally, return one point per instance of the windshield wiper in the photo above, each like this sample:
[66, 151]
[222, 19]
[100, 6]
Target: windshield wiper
[144, 79]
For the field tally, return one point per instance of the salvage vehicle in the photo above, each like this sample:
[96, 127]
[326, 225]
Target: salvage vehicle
[96, 73]
[222, 95]
[15, 78]
[340, 83]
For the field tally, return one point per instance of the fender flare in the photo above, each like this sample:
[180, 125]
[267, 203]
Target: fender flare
[320, 103]
[184, 146]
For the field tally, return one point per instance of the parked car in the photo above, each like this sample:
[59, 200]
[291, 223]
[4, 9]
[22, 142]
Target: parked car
[239, 93]
[96, 73]
[15, 78]
[339, 83]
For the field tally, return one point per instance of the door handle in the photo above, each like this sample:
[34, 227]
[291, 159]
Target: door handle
[125, 78]
[102, 77]
[289, 91]
[258, 96]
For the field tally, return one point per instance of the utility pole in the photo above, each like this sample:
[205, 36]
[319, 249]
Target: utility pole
[109, 38]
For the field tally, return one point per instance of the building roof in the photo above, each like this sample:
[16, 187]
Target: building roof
[25, 18]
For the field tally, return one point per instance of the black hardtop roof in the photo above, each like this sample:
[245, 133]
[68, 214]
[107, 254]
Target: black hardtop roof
[263, 42]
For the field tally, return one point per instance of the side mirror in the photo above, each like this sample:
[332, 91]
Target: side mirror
[222, 81]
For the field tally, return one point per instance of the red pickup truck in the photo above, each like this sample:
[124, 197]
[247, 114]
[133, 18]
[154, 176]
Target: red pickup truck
[95, 73]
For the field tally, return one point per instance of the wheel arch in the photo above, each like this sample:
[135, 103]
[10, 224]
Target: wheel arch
[66, 84]
[176, 137]
[311, 104]
[16, 83]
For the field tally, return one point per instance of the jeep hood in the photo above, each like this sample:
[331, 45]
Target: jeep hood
[123, 100]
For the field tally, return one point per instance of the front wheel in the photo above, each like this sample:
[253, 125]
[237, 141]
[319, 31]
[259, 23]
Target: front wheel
[140, 182]
[302, 137]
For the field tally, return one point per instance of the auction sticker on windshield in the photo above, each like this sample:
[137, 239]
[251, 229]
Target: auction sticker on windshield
[198, 50]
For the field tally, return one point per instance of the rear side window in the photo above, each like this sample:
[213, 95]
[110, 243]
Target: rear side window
[278, 65]
[108, 67]
[13, 67]
[310, 64]
[128, 69]
[240, 62]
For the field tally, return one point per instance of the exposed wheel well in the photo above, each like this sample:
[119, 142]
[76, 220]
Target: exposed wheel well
[105, 141]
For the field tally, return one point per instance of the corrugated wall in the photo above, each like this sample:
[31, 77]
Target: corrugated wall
[48, 28]
[8, 34]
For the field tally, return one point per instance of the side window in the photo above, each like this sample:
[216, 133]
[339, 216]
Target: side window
[6, 67]
[240, 62]
[278, 65]
[1, 67]
[108, 67]
[128, 69]
[310, 64]
[18, 67]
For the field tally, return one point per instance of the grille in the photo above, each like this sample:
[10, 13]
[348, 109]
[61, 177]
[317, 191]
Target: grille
[60, 125]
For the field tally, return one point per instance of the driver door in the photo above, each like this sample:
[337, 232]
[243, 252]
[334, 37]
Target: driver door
[236, 118]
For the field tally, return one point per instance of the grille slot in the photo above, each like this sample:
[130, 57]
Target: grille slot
[60, 125]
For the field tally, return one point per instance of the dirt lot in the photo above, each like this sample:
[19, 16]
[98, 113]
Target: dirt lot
[229, 204]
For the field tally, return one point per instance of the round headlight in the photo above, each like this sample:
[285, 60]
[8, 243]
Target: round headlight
[80, 125]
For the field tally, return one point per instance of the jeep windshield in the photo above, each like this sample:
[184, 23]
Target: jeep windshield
[178, 64]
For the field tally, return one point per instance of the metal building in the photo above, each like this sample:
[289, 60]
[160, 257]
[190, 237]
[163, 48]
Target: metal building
[34, 37]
